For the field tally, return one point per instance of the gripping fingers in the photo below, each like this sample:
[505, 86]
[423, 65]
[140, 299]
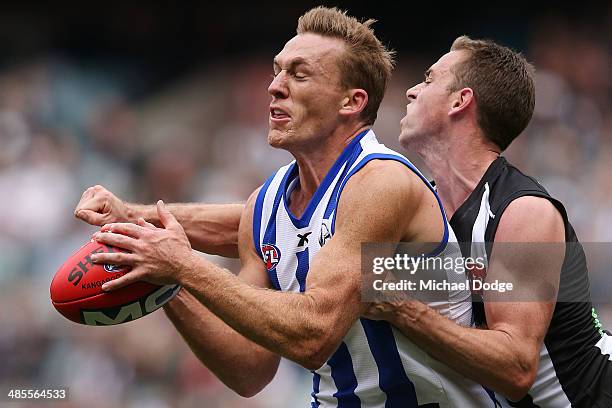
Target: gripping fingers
[87, 201]
[124, 228]
[87, 194]
[90, 217]
[114, 258]
[143, 223]
[127, 279]
[116, 240]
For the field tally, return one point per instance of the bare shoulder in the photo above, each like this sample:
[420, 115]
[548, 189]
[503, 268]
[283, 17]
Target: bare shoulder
[250, 203]
[531, 219]
[528, 251]
[245, 230]
[390, 177]
[374, 169]
[376, 200]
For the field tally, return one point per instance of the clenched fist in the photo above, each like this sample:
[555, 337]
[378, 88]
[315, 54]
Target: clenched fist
[98, 206]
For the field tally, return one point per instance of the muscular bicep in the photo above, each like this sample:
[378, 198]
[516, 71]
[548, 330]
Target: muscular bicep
[252, 268]
[528, 252]
[335, 274]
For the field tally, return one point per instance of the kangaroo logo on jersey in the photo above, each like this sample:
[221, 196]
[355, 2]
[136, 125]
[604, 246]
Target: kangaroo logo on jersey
[112, 268]
[271, 255]
[325, 234]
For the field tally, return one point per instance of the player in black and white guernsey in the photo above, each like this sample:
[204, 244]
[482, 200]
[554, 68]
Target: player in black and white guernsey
[575, 357]
[473, 102]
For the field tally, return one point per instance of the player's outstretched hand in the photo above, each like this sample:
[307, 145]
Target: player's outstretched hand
[156, 255]
[98, 206]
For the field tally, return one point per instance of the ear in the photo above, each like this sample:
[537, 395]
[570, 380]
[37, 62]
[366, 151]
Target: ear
[461, 100]
[354, 102]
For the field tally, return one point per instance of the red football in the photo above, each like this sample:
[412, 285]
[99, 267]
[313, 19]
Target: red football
[76, 291]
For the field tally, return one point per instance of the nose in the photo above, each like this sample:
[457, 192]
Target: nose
[278, 87]
[412, 93]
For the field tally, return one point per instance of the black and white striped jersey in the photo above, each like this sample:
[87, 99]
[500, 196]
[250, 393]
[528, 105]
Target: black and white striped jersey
[575, 367]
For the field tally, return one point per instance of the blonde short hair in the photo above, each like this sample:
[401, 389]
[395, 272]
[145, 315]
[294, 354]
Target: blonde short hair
[367, 63]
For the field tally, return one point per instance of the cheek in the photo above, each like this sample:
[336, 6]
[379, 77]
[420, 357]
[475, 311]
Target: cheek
[320, 100]
[430, 108]
[315, 106]
[418, 113]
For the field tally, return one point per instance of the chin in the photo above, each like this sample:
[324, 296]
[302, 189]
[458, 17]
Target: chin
[417, 143]
[405, 138]
[411, 140]
[277, 138]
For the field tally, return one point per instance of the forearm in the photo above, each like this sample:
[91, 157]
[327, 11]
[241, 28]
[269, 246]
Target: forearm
[238, 362]
[288, 324]
[211, 228]
[492, 358]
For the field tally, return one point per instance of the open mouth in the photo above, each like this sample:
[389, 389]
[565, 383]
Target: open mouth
[279, 114]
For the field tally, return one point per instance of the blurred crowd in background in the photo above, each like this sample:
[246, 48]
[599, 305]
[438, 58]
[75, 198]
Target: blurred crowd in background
[65, 126]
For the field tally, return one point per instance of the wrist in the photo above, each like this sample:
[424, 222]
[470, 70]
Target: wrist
[173, 305]
[412, 312]
[193, 270]
[132, 213]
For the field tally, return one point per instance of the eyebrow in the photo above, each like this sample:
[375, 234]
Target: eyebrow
[295, 62]
[428, 72]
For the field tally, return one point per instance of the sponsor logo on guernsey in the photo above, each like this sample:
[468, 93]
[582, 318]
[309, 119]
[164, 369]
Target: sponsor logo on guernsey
[303, 239]
[271, 255]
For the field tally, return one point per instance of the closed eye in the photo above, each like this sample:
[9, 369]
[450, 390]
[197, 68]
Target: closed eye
[295, 75]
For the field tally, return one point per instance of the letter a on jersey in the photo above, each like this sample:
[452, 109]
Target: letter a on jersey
[271, 255]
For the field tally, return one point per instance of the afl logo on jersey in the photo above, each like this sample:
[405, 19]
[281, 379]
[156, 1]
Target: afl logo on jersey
[271, 255]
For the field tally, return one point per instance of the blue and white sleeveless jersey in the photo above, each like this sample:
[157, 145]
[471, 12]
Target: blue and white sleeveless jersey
[375, 365]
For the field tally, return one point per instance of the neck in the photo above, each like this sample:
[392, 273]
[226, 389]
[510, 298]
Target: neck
[314, 162]
[457, 165]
